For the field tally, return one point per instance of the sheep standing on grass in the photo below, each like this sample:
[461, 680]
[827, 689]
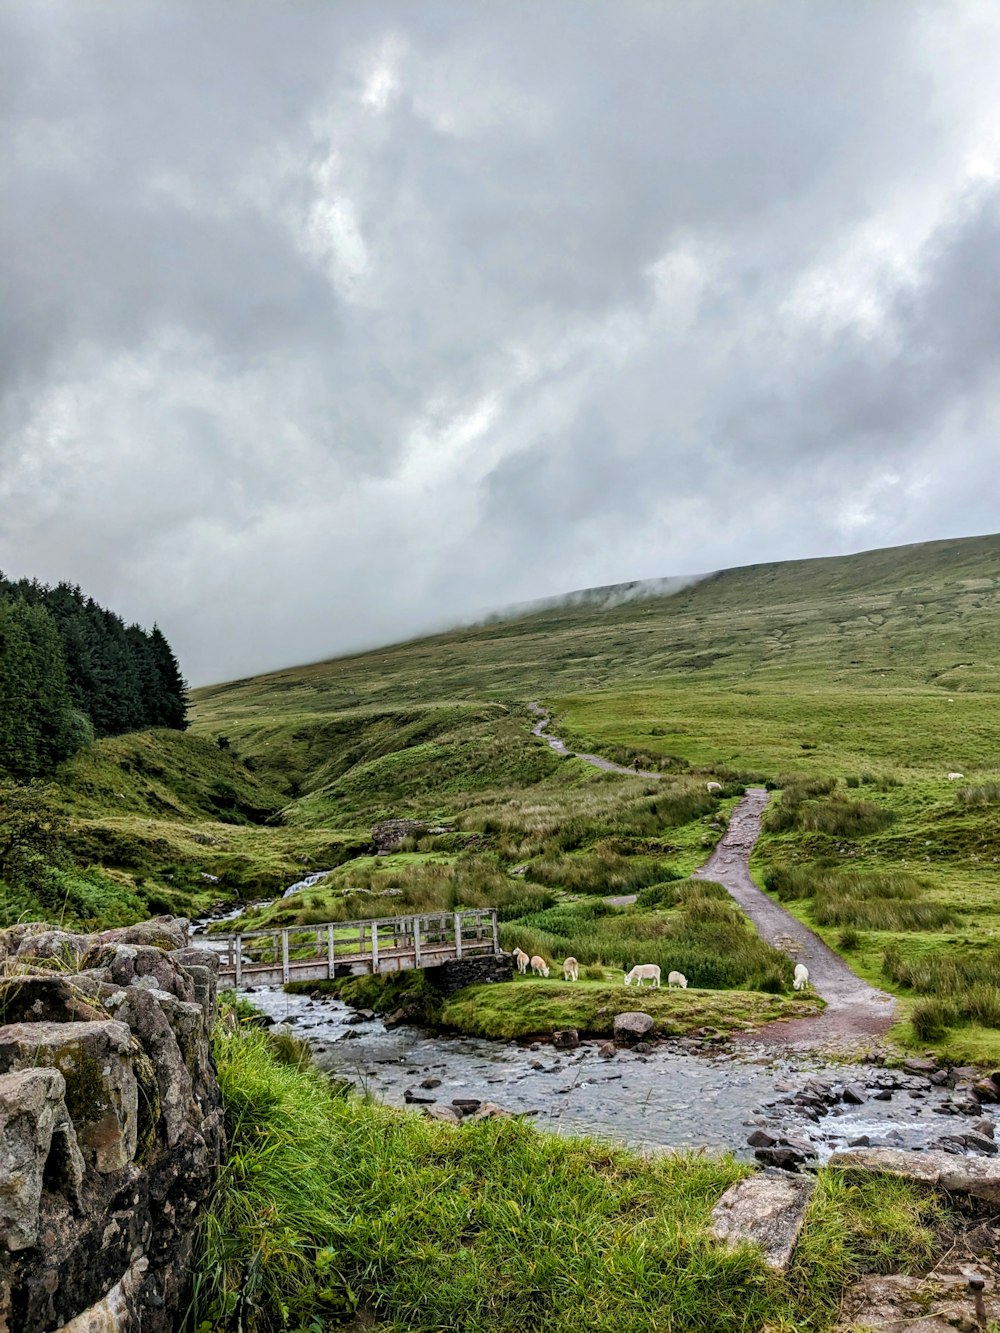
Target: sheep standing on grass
[643, 972]
[521, 959]
[714, 786]
[800, 977]
[571, 970]
[539, 966]
[677, 979]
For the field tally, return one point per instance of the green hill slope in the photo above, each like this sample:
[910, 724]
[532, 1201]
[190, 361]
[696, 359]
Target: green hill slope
[802, 647]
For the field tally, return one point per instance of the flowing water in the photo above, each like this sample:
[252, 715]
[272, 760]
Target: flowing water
[666, 1099]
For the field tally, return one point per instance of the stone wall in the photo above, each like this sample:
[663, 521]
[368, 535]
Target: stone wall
[111, 1127]
[447, 978]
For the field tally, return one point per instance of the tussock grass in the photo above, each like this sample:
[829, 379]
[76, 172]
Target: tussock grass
[962, 986]
[981, 795]
[869, 900]
[602, 871]
[836, 816]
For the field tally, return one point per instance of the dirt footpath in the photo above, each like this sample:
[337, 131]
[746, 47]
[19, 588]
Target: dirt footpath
[855, 1011]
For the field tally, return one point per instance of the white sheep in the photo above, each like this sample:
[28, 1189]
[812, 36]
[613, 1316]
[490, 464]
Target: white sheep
[539, 966]
[521, 958]
[643, 972]
[800, 977]
[571, 970]
[955, 777]
[677, 979]
[714, 786]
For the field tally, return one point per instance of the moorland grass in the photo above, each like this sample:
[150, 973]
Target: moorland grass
[329, 1207]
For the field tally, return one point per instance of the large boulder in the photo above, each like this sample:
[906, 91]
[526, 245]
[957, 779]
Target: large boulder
[140, 965]
[162, 932]
[56, 948]
[44, 999]
[632, 1026]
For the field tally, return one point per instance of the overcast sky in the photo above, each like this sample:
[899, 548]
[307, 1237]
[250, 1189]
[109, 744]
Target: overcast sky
[324, 324]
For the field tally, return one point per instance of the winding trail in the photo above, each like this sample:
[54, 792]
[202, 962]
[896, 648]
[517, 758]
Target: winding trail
[856, 1013]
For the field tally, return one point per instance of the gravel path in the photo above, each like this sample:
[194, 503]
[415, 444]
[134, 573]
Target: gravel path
[594, 759]
[855, 1011]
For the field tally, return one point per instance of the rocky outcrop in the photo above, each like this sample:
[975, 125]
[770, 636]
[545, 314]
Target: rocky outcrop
[387, 835]
[111, 1128]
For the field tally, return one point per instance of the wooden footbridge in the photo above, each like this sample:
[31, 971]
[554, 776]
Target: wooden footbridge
[351, 948]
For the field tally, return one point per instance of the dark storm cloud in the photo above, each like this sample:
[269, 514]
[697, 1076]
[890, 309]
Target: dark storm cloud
[323, 324]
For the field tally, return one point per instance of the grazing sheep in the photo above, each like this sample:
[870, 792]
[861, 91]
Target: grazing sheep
[677, 979]
[571, 970]
[643, 972]
[714, 786]
[800, 976]
[955, 777]
[539, 966]
[521, 959]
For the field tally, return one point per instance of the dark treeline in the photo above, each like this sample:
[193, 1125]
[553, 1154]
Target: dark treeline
[71, 670]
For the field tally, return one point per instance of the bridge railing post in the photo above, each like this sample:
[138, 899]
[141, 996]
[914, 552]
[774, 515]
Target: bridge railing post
[284, 955]
[239, 959]
[374, 947]
[416, 941]
[496, 933]
[458, 934]
[331, 962]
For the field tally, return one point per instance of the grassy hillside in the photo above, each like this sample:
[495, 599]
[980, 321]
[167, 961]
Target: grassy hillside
[877, 673]
[870, 677]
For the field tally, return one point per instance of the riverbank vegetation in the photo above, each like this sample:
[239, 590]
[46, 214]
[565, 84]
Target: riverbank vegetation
[332, 1210]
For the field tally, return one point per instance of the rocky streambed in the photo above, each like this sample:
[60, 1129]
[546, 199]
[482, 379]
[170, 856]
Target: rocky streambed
[787, 1111]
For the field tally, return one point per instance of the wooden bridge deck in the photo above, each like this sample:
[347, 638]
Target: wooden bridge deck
[351, 948]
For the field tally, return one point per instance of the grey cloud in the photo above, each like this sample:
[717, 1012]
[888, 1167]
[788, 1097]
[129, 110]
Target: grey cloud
[356, 319]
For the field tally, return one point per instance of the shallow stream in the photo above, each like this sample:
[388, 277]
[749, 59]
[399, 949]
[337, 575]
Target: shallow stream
[666, 1099]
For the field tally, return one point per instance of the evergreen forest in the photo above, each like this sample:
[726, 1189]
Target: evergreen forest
[72, 671]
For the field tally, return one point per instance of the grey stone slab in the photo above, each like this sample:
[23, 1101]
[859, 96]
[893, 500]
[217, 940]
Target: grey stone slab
[766, 1210]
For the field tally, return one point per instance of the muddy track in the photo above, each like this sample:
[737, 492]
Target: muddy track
[856, 1014]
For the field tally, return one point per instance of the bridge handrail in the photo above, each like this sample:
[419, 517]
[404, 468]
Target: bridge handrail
[462, 912]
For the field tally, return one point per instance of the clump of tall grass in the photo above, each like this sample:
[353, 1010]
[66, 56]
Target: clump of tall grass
[601, 871]
[867, 900]
[967, 981]
[932, 1019]
[881, 913]
[979, 795]
[675, 892]
[836, 816]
